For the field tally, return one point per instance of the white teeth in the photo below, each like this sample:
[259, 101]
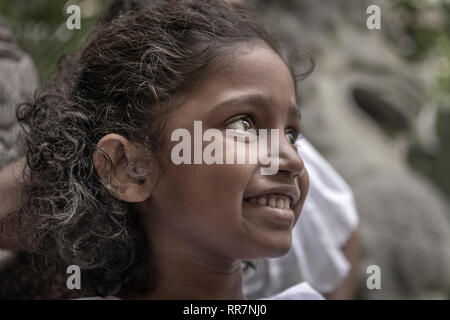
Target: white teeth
[262, 201]
[280, 203]
[273, 201]
[287, 203]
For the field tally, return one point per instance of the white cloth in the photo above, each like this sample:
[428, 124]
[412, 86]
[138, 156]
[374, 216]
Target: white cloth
[327, 220]
[301, 291]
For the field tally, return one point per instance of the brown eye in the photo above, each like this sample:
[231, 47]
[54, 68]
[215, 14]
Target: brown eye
[242, 124]
[292, 136]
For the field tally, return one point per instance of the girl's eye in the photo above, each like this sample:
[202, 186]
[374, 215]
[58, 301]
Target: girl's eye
[292, 135]
[242, 124]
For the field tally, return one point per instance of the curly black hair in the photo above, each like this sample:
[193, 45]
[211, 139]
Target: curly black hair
[140, 59]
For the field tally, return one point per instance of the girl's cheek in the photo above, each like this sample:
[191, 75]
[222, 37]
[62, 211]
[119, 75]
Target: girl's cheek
[240, 151]
[303, 180]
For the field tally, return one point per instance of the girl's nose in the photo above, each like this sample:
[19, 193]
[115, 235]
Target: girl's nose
[290, 160]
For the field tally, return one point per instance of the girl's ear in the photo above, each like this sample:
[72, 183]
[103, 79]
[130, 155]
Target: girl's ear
[129, 176]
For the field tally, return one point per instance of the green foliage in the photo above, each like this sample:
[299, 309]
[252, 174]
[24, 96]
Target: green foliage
[430, 37]
[40, 29]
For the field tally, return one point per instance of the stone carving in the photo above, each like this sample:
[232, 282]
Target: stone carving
[359, 107]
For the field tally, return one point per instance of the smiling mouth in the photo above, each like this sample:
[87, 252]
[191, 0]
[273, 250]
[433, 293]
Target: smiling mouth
[272, 201]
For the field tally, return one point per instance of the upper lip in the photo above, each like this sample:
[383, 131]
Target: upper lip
[292, 192]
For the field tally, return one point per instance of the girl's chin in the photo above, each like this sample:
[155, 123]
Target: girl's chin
[271, 247]
[280, 250]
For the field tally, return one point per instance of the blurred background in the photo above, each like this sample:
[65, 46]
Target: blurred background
[377, 107]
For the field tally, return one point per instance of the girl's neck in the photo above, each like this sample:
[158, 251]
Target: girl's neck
[196, 282]
[180, 272]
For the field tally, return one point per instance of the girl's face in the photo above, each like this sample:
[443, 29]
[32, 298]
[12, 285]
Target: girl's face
[219, 209]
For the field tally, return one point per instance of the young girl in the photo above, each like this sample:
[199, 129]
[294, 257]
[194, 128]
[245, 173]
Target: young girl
[102, 190]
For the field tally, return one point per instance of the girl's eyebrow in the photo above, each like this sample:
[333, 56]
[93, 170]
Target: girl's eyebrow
[251, 98]
[255, 99]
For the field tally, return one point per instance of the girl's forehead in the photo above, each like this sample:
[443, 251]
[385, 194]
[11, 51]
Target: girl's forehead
[255, 68]
[256, 76]
[257, 59]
